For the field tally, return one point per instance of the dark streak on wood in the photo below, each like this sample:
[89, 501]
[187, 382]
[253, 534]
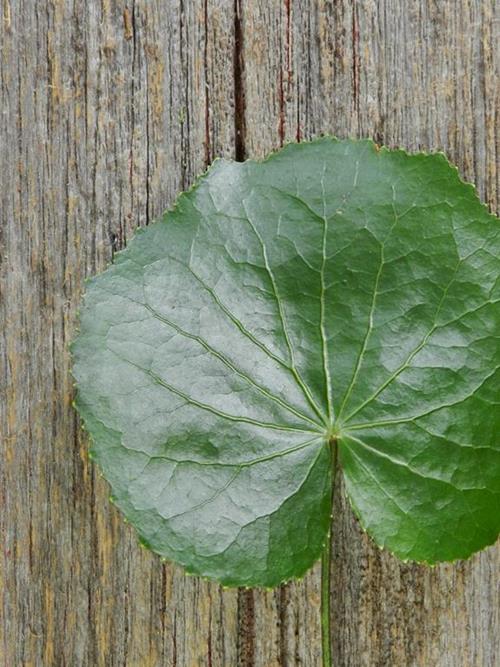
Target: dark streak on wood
[163, 603]
[174, 640]
[288, 40]
[283, 602]
[208, 158]
[246, 625]
[239, 89]
[185, 121]
[209, 639]
[355, 57]
[281, 94]
[285, 68]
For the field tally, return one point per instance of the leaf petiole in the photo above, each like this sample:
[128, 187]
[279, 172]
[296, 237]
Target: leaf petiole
[326, 563]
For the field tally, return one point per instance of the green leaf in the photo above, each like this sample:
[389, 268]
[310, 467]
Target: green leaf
[334, 295]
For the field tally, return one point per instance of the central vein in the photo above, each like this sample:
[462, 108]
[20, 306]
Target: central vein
[324, 341]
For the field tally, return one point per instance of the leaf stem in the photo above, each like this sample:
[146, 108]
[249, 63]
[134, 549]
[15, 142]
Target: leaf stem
[326, 562]
[326, 648]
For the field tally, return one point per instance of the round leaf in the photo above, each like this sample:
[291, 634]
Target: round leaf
[335, 296]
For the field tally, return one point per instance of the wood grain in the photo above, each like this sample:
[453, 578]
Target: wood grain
[109, 109]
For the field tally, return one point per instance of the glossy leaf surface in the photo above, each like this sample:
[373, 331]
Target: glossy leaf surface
[334, 292]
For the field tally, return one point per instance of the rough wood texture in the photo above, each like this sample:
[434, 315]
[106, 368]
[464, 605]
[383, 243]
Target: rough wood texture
[108, 110]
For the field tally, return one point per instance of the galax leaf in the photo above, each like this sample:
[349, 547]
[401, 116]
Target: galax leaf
[336, 295]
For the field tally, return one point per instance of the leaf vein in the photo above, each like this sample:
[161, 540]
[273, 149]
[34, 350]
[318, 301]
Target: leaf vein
[205, 406]
[293, 366]
[229, 364]
[412, 354]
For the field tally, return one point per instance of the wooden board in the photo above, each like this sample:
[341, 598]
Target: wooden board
[109, 109]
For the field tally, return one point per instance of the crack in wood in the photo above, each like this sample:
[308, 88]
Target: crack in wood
[239, 86]
[246, 626]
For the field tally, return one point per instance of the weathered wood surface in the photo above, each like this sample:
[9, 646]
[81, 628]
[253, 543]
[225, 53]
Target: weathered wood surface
[108, 110]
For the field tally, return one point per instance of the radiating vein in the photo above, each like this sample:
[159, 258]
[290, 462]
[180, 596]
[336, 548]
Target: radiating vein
[428, 478]
[230, 365]
[205, 406]
[295, 372]
[244, 464]
[222, 358]
[217, 493]
[239, 325]
[299, 200]
[324, 343]
[414, 352]
[369, 329]
[380, 486]
[231, 480]
[405, 420]
[254, 340]
[409, 467]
